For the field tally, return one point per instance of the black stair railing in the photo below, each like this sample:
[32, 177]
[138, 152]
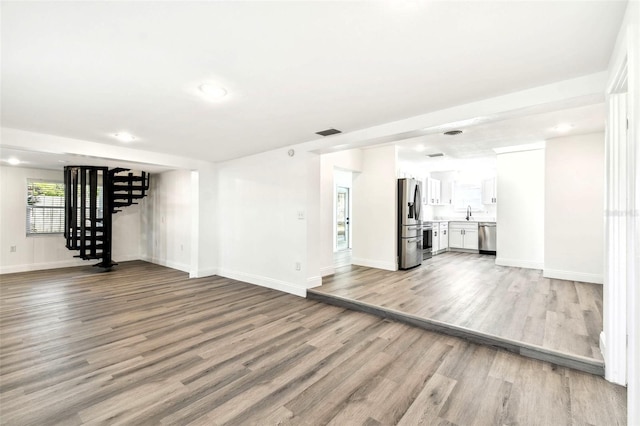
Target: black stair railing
[92, 196]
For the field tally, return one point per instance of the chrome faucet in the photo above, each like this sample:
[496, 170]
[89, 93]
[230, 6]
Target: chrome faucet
[469, 212]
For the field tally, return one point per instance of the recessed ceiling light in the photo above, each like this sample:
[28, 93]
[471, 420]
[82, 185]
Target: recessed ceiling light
[13, 161]
[420, 148]
[124, 137]
[212, 92]
[453, 132]
[562, 128]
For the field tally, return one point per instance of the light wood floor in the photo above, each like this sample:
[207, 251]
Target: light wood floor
[469, 290]
[144, 344]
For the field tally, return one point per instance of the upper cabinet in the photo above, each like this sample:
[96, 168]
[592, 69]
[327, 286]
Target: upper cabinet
[489, 191]
[446, 192]
[433, 191]
[438, 193]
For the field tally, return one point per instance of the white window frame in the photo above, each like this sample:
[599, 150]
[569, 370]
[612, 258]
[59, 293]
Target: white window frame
[54, 205]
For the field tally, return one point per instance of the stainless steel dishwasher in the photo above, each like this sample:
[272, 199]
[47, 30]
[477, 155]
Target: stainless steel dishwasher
[487, 237]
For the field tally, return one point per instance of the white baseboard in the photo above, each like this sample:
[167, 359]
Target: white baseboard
[612, 374]
[207, 272]
[517, 263]
[69, 263]
[326, 271]
[169, 264]
[573, 276]
[127, 258]
[279, 285]
[314, 282]
[388, 266]
[12, 269]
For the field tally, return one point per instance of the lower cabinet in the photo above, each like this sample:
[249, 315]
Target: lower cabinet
[463, 235]
[456, 239]
[435, 243]
[444, 235]
[470, 239]
[440, 240]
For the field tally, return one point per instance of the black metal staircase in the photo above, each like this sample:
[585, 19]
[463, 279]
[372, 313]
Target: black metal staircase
[92, 196]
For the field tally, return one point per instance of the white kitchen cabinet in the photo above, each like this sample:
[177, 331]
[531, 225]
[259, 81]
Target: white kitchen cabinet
[489, 191]
[456, 239]
[433, 191]
[444, 236]
[463, 235]
[470, 239]
[435, 242]
[446, 193]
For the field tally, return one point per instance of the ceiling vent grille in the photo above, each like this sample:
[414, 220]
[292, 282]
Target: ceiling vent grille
[438, 154]
[453, 132]
[328, 132]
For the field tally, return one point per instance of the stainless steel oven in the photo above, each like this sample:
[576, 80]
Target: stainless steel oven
[427, 239]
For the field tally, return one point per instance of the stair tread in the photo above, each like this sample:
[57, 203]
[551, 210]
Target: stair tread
[128, 178]
[126, 196]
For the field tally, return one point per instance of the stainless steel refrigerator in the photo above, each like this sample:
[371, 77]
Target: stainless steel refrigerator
[409, 223]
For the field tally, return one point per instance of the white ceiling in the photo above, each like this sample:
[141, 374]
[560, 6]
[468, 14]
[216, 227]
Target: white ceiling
[85, 70]
[479, 141]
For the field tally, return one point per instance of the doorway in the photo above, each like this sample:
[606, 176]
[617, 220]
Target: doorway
[343, 241]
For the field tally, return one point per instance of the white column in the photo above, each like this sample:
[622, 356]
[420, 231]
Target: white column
[195, 223]
[614, 336]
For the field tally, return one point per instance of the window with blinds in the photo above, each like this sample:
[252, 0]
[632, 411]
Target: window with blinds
[45, 207]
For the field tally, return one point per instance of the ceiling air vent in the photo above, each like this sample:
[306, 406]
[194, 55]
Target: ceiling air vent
[328, 132]
[453, 132]
[438, 154]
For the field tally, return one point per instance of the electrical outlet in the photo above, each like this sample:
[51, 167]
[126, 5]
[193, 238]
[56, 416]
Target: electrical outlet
[13, 249]
[298, 266]
[300, 214]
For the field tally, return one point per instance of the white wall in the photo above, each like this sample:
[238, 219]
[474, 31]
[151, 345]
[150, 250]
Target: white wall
[49, 251]
[204, 222]
[350, 160]
[406, 169]
[375, 210]
[312, 219]
[125, 233]
[574, 208]
[520, 209]
[166, 220]
[268, 208]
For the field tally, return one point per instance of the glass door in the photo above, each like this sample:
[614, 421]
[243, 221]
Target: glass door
[342, 218]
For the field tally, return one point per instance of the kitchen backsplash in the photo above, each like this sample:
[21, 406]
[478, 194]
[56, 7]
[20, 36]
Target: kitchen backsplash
[449, 213]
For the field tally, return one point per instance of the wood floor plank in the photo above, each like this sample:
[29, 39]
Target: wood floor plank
[426, 407]
[144, 345]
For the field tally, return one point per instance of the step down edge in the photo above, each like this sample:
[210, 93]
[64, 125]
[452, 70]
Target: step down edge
[563, 359]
